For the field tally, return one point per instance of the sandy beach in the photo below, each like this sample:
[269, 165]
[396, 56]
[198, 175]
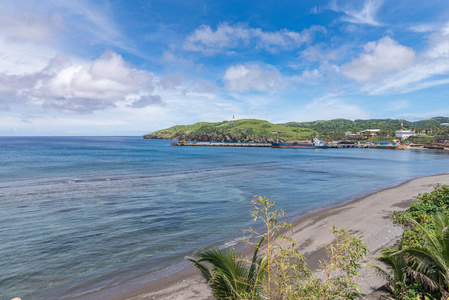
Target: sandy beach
[368, 216]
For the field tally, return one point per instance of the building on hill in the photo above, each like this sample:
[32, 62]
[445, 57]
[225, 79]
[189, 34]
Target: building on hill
[404, 134]
[443, 140]
[365, 134]
[371, 131]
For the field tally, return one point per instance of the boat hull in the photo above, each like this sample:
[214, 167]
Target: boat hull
[296, 146]
[299, 146]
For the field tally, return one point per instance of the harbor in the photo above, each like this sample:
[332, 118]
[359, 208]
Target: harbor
[333, 145]
[220, 144]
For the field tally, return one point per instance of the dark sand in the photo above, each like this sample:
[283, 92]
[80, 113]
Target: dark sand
[368, 216]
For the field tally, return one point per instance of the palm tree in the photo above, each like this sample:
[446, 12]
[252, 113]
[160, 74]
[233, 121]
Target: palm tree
[231, 277]
[430, 263]
[396, 271]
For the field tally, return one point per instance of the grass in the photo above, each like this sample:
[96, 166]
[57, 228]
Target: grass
[250, 128]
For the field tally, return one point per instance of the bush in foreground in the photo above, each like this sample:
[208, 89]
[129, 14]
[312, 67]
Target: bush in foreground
[280, 272]
[419, 265]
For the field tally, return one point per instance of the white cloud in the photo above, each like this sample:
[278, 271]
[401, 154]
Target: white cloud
[326, 71]
[317, 53]
[203, 86]
[327, 108]
[439, 44]
[365, 15]
[413, 78]
[146, 100]
[408, 71]
[226, 36]
[22, 25]
[19, 58]
[169, 58]
[425, 27]
[77, 88]
[399, 105]
[382, 57]
[92, 22]
[252, 77]
[170, 81]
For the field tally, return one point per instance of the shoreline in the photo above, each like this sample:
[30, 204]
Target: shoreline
[367, 216]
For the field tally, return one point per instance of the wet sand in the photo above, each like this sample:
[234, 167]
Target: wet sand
[368, 216]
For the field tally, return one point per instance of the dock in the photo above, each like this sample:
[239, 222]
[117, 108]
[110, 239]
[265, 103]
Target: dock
[219, 144]
[331, 145]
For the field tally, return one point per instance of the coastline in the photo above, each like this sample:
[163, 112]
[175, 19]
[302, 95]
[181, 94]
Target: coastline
[367, 216]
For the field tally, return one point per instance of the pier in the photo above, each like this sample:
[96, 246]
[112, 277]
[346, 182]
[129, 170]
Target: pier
[330, 145]
[219, 144]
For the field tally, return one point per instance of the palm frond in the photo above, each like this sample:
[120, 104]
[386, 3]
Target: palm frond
[204, 270]
[427, 282]
[445, 243]
[254, 265]
[430, 238]
[420, 259]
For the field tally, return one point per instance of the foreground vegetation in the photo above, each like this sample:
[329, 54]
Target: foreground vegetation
[416, 268]
[419, 265]
[280, 271]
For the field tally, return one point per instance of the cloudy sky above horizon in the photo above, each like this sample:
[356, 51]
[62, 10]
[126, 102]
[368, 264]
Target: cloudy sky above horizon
[133, 67]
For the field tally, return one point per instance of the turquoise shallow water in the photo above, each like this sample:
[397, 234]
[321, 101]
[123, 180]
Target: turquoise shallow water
[81, 213]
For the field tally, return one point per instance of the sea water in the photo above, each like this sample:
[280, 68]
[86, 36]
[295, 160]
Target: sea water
[80, 214]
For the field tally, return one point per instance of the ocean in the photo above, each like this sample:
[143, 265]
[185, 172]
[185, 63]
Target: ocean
[82, 215]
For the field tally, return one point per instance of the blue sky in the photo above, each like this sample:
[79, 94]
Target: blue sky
[132, 67]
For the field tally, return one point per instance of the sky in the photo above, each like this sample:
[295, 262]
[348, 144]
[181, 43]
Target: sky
[133, 67]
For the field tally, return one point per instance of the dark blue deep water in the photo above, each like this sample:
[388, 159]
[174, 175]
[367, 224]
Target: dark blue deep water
[81, 213]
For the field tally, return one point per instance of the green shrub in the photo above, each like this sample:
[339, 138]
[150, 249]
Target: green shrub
[422, 212]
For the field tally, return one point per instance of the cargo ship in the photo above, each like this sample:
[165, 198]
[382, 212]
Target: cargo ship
[317, 143]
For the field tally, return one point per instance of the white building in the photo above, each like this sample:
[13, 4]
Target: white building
[404, 133]
[372, 130]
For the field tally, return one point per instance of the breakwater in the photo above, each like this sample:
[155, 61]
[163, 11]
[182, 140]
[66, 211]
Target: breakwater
[219, 144]
[236, 144]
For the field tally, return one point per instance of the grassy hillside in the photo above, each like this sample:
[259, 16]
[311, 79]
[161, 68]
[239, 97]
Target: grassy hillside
[341, 125]
[233, 131]
[251, 130]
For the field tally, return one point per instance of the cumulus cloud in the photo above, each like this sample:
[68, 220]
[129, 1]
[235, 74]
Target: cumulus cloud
[388, 67]
[327, 108]
[21, 25]
[252, 77]
[226, 36]
[77, 88]
[398, 105]
[416, 77]
[326, 71]
[439, 44]
[364, 15]
[170, 81]
[147, 100]
[318, 53]
[382, 57]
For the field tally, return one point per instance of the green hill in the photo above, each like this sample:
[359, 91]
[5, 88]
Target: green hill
[251, 130]
[341, 125]
[246, 130]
